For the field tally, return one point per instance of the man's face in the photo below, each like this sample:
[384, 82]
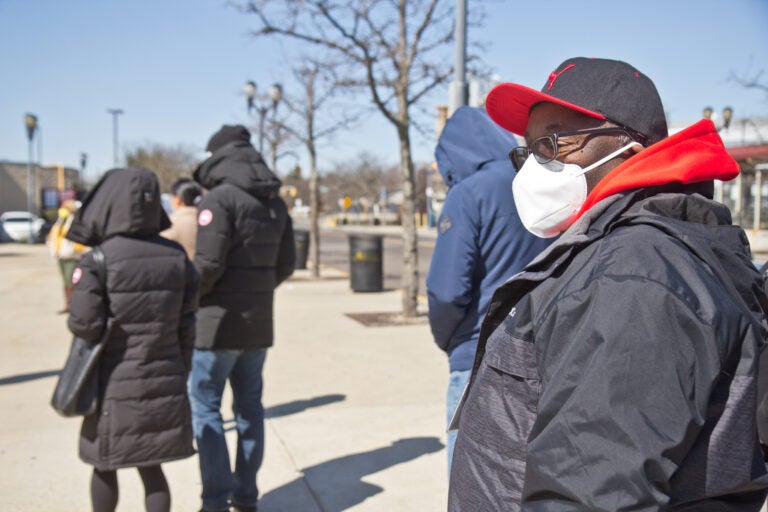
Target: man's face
[583, 150]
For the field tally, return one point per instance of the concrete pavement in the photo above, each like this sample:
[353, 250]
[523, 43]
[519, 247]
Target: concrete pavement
[355, 413]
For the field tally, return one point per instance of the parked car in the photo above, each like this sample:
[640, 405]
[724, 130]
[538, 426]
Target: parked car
[19, 226]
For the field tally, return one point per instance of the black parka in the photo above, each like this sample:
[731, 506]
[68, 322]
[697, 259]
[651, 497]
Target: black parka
[618, 371]
[624, 361]
[244, 249]
[149, 301]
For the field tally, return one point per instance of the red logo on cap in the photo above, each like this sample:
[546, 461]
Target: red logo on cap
[554, 75]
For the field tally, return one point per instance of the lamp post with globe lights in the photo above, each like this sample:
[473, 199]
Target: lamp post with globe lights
[261, 104]
[727, 116]
[30, 121]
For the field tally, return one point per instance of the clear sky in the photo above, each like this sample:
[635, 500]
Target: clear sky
[177, 68]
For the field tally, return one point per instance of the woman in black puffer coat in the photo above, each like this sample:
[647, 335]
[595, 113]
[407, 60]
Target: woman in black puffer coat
[149, 302]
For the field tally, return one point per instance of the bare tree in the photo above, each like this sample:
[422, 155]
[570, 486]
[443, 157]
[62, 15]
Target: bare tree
[168, 162]
[397, 50]
[318, 87]
[750, 80]
[277, 136]
[362, 177]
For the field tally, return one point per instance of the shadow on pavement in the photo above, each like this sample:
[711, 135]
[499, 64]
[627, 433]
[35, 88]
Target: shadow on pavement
[278, 411]
[289, 408]
[24, 377]
[337, 484]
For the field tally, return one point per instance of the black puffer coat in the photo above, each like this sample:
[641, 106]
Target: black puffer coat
[150, 299]
[244, 249]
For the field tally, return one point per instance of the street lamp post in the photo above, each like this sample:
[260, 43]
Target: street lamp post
[727, 116]
[275, 93]
[250, 94]
[83, 161]
[115, 112]
[30, 120]
[458, 88]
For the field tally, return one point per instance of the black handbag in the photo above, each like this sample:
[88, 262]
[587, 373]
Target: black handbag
[77, 390]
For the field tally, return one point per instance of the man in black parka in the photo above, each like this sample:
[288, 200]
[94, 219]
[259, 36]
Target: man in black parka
[245, 249]
[618, 370]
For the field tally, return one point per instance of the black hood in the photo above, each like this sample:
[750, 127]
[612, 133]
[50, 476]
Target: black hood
[239, 164]
[123, 202]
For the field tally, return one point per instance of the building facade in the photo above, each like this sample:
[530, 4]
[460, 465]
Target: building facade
[52, 184]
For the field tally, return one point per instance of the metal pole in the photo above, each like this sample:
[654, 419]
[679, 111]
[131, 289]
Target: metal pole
[758, 199]
[739, 200]
[718, 191]
[459, 85]
[759, 170]
[276, 135]
[83, 160]
[39, 134]
[115, 143]
[30, 191]
[262, 115]
[115, 112]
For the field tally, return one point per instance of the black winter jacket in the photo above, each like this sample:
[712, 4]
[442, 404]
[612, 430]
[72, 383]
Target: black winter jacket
[618, 371]
[244, 250]
[762, 385]
[149, 301]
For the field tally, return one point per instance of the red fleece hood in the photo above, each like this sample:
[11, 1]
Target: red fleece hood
[692, 155]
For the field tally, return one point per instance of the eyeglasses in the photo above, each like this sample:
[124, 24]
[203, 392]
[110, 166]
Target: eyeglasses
[544, 149]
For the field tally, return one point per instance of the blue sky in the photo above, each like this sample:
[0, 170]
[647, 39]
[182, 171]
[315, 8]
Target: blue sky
[177, 68]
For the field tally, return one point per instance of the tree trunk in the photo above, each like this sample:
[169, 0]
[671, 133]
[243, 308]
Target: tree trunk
[314, 207]
[410, 236]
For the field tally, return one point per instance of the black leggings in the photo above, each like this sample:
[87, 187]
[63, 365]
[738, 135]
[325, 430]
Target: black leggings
[157, 497]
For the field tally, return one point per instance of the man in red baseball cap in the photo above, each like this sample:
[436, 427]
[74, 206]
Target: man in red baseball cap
[618, 370]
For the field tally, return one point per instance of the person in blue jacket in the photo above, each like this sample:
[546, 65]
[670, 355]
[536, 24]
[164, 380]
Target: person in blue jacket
[480, 244]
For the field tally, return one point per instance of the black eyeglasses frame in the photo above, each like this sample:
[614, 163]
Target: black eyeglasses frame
[520, 154]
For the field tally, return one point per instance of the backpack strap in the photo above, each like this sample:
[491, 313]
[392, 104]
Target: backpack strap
[101, 265]
[101, 268]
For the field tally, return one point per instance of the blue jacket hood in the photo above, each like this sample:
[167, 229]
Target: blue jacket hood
[469, 140]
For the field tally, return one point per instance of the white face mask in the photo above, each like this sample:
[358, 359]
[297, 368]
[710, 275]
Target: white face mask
[548, 196]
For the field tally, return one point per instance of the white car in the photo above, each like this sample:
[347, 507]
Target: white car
[19, 226]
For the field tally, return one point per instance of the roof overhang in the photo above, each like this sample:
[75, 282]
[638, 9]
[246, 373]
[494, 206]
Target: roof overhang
[741, 153]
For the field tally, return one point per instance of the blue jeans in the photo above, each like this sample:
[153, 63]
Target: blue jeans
[456, 384]
[210, 370]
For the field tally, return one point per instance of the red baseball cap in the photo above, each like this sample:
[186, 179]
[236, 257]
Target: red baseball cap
[600, 88]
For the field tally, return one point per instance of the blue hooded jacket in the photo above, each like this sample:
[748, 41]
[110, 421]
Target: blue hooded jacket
[481, 242]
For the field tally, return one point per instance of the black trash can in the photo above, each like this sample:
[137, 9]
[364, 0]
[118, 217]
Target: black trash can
[366, 271]
[301, 239]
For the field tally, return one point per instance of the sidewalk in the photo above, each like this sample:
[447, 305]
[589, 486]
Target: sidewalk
[355, 413]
